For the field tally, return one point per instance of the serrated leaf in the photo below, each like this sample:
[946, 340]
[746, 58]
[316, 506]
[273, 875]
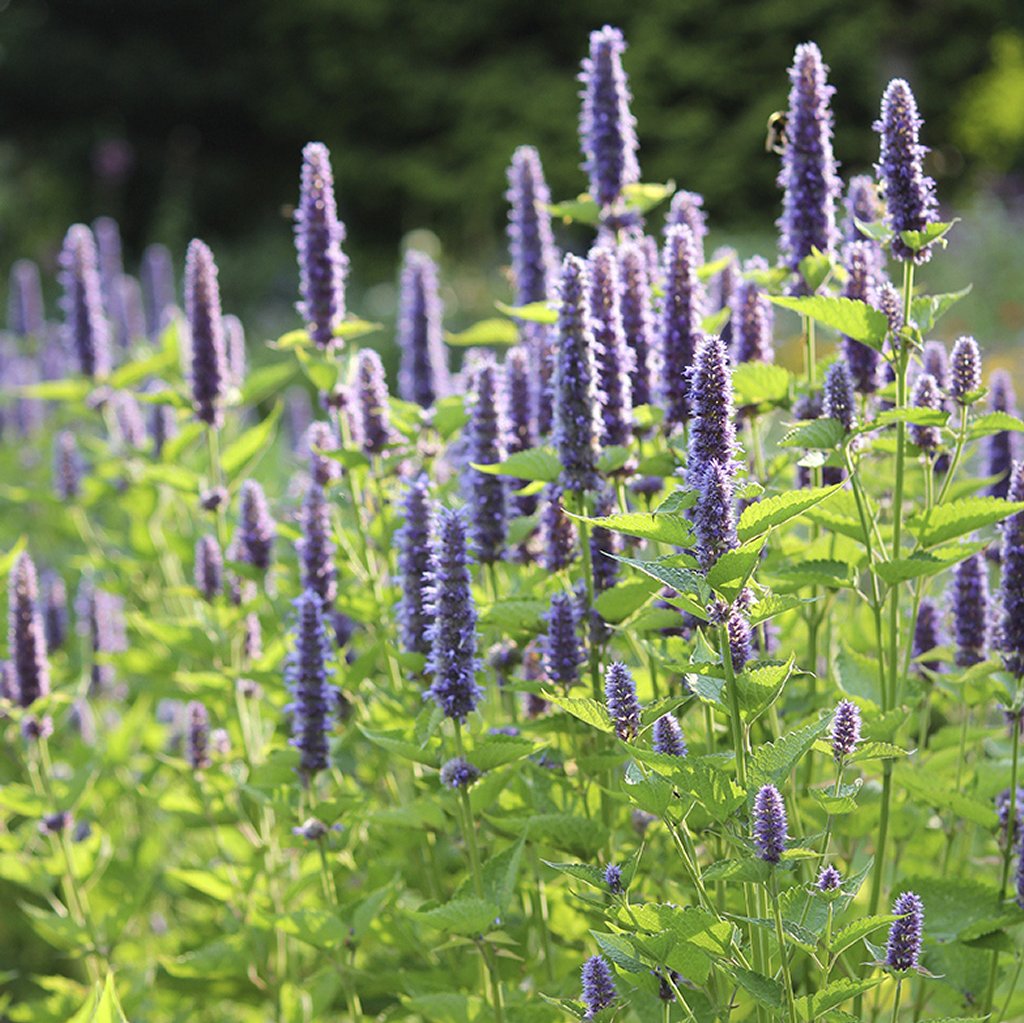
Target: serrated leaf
[764, 989]
[918, 240]
[814, 1006]
[877, 751]
[533, 464]
[617, 949]
[813, 572]
[772, 761]
[922, 564]
[957, 518]
[461, 916]
[494, 331]
[251, 444]
[320, 928]
[992, 423]
[714, 322]
[760, 383]
[916, 416]
[817, 434]
[938, 794]
[492, 751]
[623, 599]
[398, 744]
[732, 570]
[857, 930]
[667, 528]
[682, 580]
[927, 310]
[849, 316]
[583, 707]
[586, 872]
[772, 511]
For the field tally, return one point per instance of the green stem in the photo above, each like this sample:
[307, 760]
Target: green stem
[896, 1000]
[781, 938]
[735, 725]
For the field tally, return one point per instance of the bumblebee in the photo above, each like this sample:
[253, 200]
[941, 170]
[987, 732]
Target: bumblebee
[775, 136]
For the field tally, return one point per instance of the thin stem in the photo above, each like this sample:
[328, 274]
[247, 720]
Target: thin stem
[735, 725]
[896, 1000]
[781, 938]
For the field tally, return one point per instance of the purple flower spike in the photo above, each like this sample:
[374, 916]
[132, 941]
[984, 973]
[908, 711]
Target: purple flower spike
[926, 394]
[935, 361]
[487, 494]
[688, 208]
[713, 430]
[909, 193]
[423, 373]
[415, 539]
[254, 541]
[26, 639]
[234, 350]
[679, 328]
[209, 567]
[458, 773]
[563, 653]
[614, 357]
[1011, 591]
[862, 203]
[714, 518]
[452, 659]
[845, 730]
[316, 546]
[808, 175]
[964, 370]
[1001, 448]
[638, 321]
[769, 827]
[620, 696]
[25, 313]
[903, 949]
[521, 431]
[740, 644]
[969, 602]
[927, 633]
[604, 544]
[577, 398]
[206, 324]
[607, 128]
[558, 534]
[667, 737]
[318, 237]
[829, 879]
[156, 276]
[320, 437]
[372, 412]
[55, 611]
[752, 319]
[306, 674]
[67, 467]
[530, 241]
[85, 324]
[598, 986]
[197, 736]
[861, 285]
[613, 878]
[838, 400]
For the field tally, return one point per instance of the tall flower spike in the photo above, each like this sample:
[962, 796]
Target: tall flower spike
[935, 361]
[752, 319]
[522, 422]
[927, 632]
[67, 468]
[829, 879]
[713, 430]
[415, 539]
[838, 400]
[714, 517]
[206, 325]
[667, 737]
[209, 567]
[563, 653]
[234, 350]
[604, 545]
[25, 314]
[318, 237]
[1001, 448]
[845, 730]
[558, 533]
[111, 266]
[969, 602]
[306, 674]
[197, 745]
[808, 175]
[320, 437]
[372, 412]
[679, 327]
[488, 508]
[85, 324]
[577, 398]
[607, 128]
[688, 208]
[452, 659]
[862, 282]
[964, 370]
[737, 629]
[769, 824]
[598, 986]
[620, 696]
[861, 204]
[132, 326]
[926, 394]
[909, 193]
[156, 276]
[638, 321]
[1011, 590]
[26, 640]
[614, 357]
[903, 949]
[55, 611]
[531, 243]
[254, 541]
[316, 546]
[423, 373]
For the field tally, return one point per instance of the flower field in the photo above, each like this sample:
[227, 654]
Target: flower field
[597, 666]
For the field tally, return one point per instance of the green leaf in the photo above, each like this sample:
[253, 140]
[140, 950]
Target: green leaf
[714, 322]
[398, 744]
[515, 615]
[579, 835]
[857, 930]
[582, 872]
[916, 416]
[815, 434]
[761, 383]
[670, 529]
[732, 570]
[875, 230]
[265, 381]
[680, 578]
[849, 316]
[948, 521]
[532, 464]
[877, 751]
[204, 881]
[939, 794]
[764, 989]
[715, 267]
[583, 707]
[461, 916]
[70, 390]
[814, 572]
[932, 233]
[494, 331]
[927, 310]
[772, 761]
[815, 269]
[320, 928]
[643, 196]
[814, 1006]
[623, 599]
[496, 750]
[251, 444]
[769, 512]
[994, 422]
[351, 330]
[534, 312]
[102, 1006]
[925, 563]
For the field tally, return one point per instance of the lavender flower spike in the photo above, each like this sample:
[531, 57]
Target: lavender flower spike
[861, 204]
[752, 319]
[577, 398]
[667, 737]
[614, 357]
[638, 322]
[613, 878]
[769, 827]
[829, 879]
[522, 421]
[423, 373]
[254, 541]
[54, 611]
[562, 651]
[84, 320]
[206, 324]
[316, 545]
[808, 175]
[713, 430]
[198, 736]
[1001, 448]
[598, 987]
[909, 193]
[1012, 586]
[903, 949]
[530, 241]
[926, 394]
[26, 640]
[372, 411]
[714, 519]
[679, 328]
[737, 629]
[607, 128]
[927, 633]
[209, 567]
[306, 674]
[318, 237]
[487, 494]
[688, 208]
[964, 370]
[67, 468]
[452, 659]
[415, 539]
[156, 276]
[969, 601]
[839, 401]
[845, 730]
[458, 773]
[25, 315]
[620, 696]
